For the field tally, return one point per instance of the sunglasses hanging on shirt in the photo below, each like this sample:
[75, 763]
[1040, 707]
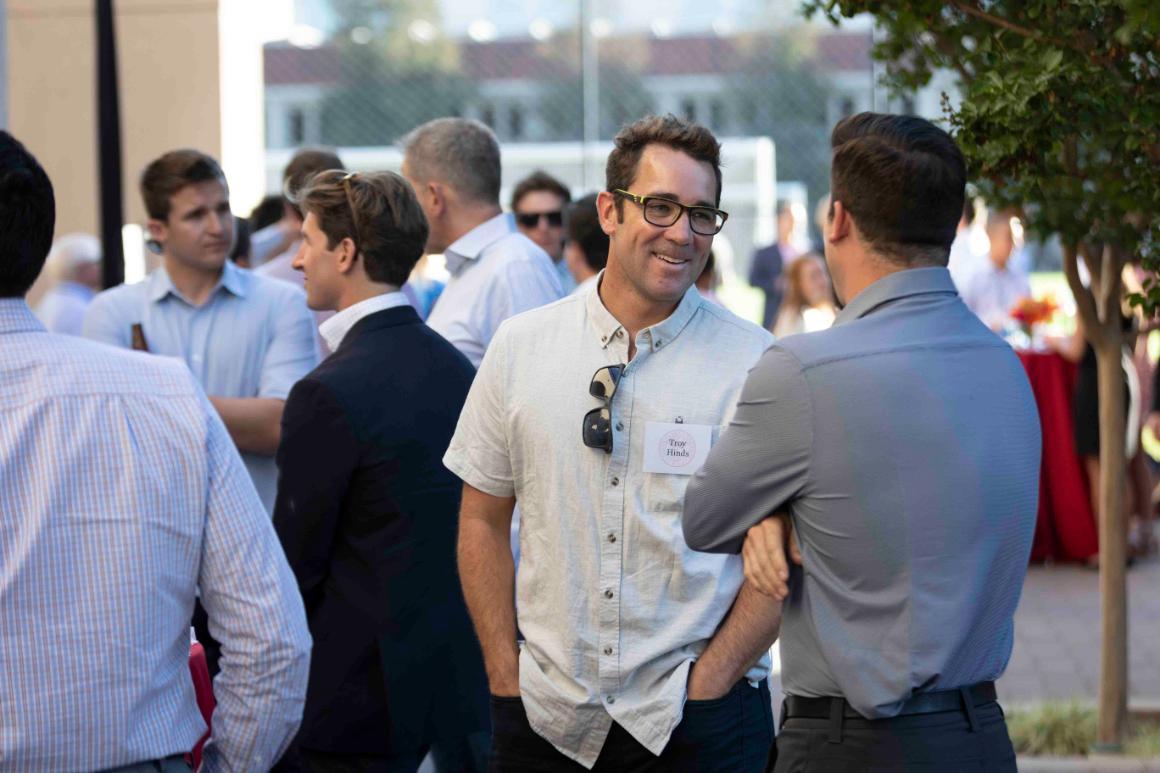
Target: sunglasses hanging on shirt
[597, 428]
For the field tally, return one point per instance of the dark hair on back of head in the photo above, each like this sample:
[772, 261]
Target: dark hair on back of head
[306, 163]
[381, 215]
[903, 180]
[167, 175]
[27, 217]
[692, 139]
[584, 229]
[540, 180]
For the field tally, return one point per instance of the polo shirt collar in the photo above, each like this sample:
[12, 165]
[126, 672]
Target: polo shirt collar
[232, 280]
[16, 317]
[472, 244]
[892, 287]
[659, 335]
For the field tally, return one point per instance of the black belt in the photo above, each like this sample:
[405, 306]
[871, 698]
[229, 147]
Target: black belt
[922, 703]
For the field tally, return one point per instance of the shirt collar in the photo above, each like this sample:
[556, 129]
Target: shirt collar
[474, 242]
[900, 284]
[658, 336]
[16, 317]
[334, 329]
[233, 279]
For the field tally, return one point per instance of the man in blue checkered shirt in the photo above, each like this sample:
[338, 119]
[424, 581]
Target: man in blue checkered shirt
[121, 497]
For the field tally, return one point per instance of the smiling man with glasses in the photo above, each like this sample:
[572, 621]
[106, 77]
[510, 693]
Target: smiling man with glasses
[640, 654]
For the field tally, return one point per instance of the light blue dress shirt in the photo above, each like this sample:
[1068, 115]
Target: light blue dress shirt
[254, 337]
[121, 495]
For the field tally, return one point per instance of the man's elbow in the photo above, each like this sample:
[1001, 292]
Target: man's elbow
[700, 534]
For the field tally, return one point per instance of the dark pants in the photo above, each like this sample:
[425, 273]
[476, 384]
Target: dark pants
[731, 734]
[463, 755]
[925, 743]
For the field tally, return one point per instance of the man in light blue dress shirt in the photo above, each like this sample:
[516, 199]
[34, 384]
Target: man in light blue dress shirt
[122, 498]
[246, 338]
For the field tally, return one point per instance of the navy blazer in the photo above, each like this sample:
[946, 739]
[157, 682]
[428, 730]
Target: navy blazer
[367, 515]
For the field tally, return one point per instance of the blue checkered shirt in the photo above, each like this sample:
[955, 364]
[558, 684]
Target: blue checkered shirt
[120, 495]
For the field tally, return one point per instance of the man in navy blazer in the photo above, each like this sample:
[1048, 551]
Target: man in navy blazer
[366, 511]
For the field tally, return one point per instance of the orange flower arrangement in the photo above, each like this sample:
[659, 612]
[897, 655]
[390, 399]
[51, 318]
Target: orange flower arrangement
[1029, 312]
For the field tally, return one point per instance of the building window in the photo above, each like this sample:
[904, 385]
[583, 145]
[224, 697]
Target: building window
[716, 115]
[516, 123]
[689, 110]
[296, 126]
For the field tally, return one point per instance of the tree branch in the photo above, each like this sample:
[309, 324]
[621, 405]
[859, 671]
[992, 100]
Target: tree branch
[1085, 304]
[1110, 285]
[1018, 29]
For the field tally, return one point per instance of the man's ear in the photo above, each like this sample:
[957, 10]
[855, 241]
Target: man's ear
[436, 195]
[840, 225]
[347, 255]
[606, 210]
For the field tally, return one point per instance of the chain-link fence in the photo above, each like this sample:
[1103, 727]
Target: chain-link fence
[557, 88]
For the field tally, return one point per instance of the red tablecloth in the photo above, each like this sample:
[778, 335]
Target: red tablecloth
[203, 689]
[1065, 529]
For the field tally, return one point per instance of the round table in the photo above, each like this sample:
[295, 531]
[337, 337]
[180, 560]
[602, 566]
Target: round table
[1065, 529]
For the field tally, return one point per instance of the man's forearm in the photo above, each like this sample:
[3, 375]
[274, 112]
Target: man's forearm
[487, 572]
[744, 636]
[254, 423]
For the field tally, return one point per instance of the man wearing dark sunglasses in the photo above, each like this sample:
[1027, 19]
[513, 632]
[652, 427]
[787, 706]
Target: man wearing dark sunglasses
[639, 653]
[538, 202]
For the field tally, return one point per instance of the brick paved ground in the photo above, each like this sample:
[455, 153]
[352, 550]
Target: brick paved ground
[1057, 629]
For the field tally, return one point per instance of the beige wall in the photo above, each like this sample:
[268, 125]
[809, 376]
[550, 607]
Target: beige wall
[168, 62]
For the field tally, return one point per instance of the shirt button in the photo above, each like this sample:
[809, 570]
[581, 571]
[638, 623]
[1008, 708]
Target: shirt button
[620, 334]
[608, 650]
[611, 698]
[660, 343]
[616, 481]
[608, 594]
[619, 426]
[612, 538]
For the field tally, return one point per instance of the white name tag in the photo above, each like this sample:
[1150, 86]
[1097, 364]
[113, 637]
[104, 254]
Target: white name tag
[677, 449]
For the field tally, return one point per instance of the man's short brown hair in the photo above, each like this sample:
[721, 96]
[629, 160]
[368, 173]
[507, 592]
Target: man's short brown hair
[378, 211]
[306, 163]
[167, 175]
[903, 181]
[692, 139]
[540, 180]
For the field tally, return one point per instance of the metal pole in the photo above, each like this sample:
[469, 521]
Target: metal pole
[109, 147]
[590, 85]
[4, 64]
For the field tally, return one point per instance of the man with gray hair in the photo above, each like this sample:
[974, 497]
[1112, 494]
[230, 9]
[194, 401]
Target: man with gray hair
[76, 261]
[496, 272]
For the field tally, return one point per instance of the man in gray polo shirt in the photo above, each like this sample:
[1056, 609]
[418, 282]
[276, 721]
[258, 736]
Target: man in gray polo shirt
[592, 413]
[905, 443]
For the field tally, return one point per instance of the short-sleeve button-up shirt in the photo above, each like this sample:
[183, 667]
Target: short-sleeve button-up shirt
[613, 605]
[254, 337]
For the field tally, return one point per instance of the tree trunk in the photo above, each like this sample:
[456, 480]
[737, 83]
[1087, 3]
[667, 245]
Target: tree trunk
[1099, 311]
[1113, 695]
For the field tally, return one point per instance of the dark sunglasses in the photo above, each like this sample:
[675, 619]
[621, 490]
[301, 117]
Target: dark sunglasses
[597, 427]
[532, 219]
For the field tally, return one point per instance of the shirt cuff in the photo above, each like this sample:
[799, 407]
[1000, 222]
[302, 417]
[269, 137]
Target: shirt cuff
[471, 475]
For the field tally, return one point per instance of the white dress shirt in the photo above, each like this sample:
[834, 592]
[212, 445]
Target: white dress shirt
[335, 328]
[496, 272]
[992, 292]
[613, 604]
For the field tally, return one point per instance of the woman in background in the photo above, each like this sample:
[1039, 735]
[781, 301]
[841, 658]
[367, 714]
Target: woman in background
[809, 298]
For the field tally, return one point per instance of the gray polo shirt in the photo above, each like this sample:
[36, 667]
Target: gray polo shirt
[612, 603]
[905, 442]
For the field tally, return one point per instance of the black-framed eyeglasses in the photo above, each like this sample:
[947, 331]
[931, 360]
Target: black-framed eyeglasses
[532, 219]
[597, 428]
[663, 212]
